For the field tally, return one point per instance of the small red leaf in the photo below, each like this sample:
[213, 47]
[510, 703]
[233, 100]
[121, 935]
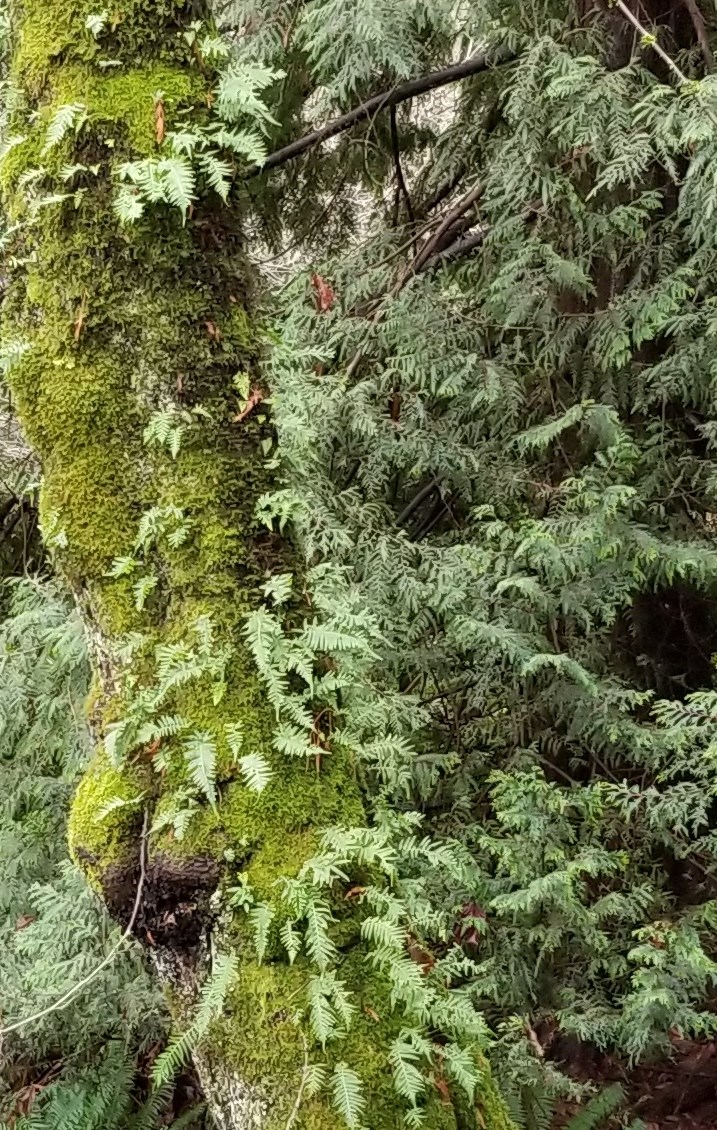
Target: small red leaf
[324, 293]
[159, 120]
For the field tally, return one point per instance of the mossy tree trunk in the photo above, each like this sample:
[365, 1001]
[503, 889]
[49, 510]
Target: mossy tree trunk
[119, 321]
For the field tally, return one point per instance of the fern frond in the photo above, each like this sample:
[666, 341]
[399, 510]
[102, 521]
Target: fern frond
[200, 755]
[218, 173]
[348, 1096]
[64, 119]
[256, 771]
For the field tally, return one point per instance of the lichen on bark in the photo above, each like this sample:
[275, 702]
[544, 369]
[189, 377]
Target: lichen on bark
[117, 321]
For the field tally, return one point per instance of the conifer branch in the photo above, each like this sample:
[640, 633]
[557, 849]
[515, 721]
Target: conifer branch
[72, 994]
[466, 69]
[428, 252]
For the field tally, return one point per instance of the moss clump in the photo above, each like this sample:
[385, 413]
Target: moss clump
[296, 800]
[55, 36]
[261, 1037]
[96, 840]
[126, 102]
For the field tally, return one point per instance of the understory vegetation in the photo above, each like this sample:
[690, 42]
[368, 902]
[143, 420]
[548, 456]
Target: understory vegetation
[367, 659]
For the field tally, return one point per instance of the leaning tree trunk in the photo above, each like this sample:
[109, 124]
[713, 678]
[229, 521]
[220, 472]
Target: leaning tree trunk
[117, 322]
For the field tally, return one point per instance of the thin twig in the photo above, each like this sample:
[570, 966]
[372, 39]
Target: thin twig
[650, 40]
[469, 67]
[72, 993]
[302, 1086]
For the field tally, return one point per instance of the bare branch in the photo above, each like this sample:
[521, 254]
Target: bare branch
[460, 209]
[469, 67]
[698, 23]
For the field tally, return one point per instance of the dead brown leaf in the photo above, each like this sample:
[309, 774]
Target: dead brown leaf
[160, 123]
[324, 293]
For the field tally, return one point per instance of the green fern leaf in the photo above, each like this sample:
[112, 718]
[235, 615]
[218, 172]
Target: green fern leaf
[598, 1110]
[200, 755]
[256, 771]
[261, 918]
[177, 178]
[218, 173]
[62, 122]
[291, 941]
[348, 1095]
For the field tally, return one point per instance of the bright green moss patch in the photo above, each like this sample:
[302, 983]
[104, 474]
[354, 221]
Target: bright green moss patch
[97, 841]
[54, 32]
[259, 827]
[263, 1039]
[83, 503]
[128, 100]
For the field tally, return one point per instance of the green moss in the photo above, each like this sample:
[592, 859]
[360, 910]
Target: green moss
[97, 842]
[118, 323]
[25, 155]
[258, 827]
[128, 99]
[261, 1038]
[54, 32]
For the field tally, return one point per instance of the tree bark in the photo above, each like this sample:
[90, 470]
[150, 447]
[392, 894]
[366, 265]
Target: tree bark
[119, 322]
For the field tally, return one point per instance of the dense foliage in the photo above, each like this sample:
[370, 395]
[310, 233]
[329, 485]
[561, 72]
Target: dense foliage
[53, 929]
[508, 464]
[490, 352]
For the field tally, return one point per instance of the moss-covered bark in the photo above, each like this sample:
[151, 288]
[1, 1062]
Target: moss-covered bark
[117, 321]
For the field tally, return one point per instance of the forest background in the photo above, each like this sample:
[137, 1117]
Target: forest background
[462, 396]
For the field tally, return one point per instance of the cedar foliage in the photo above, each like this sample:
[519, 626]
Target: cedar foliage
[53, 929]
[506, 461]
[497, 453]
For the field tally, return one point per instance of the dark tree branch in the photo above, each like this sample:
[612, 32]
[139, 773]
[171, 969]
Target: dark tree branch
[433, 243]
[416, 501]
[462, 246]
[698, 23]
[473, 66]
[400, 179]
